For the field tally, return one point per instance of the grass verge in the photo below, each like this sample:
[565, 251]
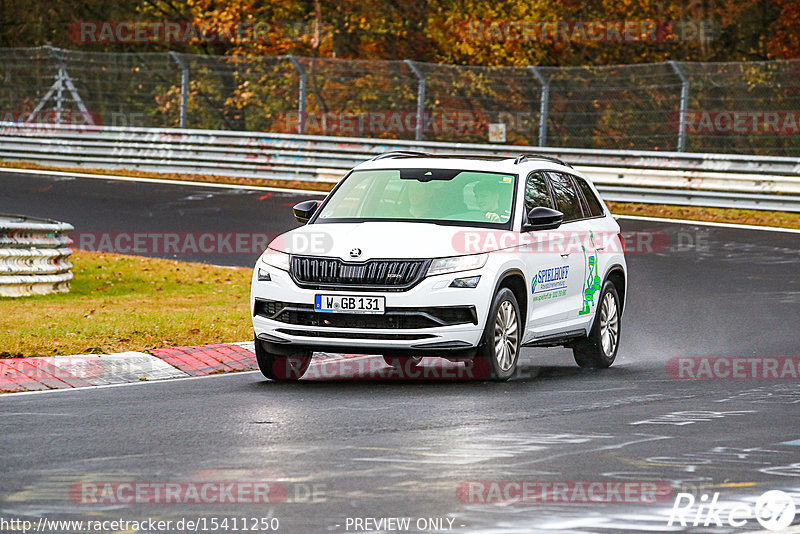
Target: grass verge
[119, 303]
[780, 219]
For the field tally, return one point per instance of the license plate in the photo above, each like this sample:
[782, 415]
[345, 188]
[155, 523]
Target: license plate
[349, 304]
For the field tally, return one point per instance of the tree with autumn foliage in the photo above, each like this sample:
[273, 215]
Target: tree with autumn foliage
[428, 30]
[251, 81]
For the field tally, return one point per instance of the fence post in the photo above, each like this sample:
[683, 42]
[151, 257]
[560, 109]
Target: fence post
[684, 104]
[184, 86]
[544, 104]
[420, 98]
[301, 97]
[60, 87]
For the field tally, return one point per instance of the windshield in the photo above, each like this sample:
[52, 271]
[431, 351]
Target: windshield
[443, 196]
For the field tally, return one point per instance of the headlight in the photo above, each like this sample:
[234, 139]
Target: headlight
[274, 258]
[457, 263]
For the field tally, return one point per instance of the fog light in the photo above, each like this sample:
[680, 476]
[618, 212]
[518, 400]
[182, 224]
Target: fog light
[472, 281]
[263, 275]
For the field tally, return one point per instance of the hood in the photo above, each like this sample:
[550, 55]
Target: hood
[402, 240]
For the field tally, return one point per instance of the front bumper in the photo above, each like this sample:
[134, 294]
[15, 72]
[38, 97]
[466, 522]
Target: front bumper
[452, 340]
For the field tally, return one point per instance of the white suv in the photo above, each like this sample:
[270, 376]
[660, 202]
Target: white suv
[468, 258]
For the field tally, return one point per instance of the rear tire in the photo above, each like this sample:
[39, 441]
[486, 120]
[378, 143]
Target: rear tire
[278, 367]
[599, 349]
[499, 351]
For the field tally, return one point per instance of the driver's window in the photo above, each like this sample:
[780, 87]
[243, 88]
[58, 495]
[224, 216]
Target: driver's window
[567, 200]
[536, 192]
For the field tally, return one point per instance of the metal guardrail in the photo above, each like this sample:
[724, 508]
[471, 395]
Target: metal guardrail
[722, 180]
[34, 256]
[729, 107]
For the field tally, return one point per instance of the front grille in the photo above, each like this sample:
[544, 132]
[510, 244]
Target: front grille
[352, 320]
[333, 273]
[394, 318]
[312, 333]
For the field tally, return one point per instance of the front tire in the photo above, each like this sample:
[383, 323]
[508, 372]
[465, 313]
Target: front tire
[499, 352]
[278, 367]
[599, 349]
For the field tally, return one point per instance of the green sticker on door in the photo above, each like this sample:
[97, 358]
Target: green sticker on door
[591, 284]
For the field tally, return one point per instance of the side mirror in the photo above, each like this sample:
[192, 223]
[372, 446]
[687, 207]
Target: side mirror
[541, 218]
[305, 210]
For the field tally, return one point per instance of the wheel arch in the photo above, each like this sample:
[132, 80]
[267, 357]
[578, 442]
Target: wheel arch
[617, 276]
[514, 279]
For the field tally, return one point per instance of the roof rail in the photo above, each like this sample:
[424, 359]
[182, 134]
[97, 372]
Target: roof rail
[400, 154]
[488, 157]
[526, 157]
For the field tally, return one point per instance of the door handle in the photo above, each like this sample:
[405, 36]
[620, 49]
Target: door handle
[565, 255]
[600, 248]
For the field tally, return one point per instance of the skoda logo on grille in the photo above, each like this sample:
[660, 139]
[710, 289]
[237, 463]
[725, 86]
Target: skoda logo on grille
[356, 252]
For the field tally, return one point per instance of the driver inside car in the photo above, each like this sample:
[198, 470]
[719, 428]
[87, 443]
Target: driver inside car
[487, 196]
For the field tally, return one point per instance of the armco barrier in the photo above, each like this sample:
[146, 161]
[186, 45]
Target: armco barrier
[723, 180]
[34, 256]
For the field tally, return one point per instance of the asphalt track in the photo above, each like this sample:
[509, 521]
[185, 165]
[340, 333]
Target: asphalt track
[400, 448]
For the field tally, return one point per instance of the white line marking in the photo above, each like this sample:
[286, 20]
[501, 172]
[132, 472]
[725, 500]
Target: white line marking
[160, 381]
[159, 181]
[645, 439]
[46, 414]
[706, 223]
[137, 383]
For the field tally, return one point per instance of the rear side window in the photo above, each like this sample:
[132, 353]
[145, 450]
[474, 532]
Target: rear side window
[537, 193]
[595, 209]
[566, 196]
